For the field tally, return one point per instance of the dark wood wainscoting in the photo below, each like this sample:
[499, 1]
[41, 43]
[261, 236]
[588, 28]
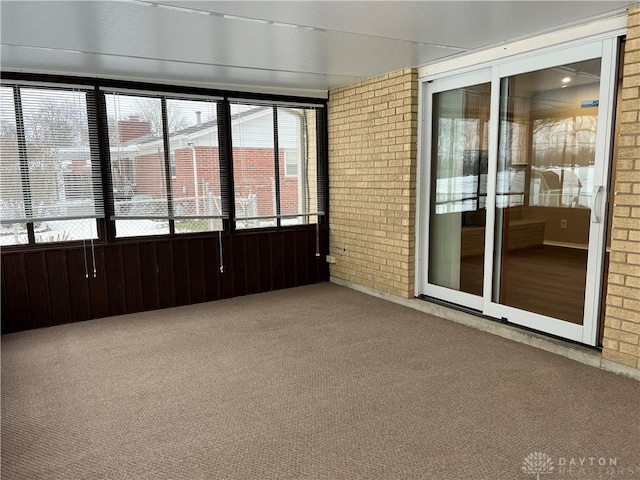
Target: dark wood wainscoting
[50, 286]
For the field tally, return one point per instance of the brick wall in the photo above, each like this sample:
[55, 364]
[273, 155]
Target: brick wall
[253, 173]
[150, 175]
[372, 180]
[208, 170]
[622, 319]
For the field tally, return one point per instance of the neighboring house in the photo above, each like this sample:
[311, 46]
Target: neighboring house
[138, 163]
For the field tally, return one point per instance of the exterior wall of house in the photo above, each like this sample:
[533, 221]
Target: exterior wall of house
[208, 171]
[253, 173]
[150, 175]
[372, 181]
[622, 318]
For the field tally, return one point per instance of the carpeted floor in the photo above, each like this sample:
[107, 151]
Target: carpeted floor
[318, 382]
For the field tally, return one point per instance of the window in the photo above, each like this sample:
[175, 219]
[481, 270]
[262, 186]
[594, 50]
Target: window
[562, 160]
[291, 160]
[156, 193]
[50, 187]
[275, 165]
[169, 162]
[197, 186]
[136, 142]
[254, 173]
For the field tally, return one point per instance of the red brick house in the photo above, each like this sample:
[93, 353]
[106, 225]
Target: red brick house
[195, 170]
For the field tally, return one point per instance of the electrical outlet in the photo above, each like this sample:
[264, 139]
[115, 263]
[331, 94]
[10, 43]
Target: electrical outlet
[563, 223]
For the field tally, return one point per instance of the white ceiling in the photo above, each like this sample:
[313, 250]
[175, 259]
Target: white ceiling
[303, 47]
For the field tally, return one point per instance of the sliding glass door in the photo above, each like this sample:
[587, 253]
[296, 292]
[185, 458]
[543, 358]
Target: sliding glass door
[545, 188]
[458, 147]
[514, 188]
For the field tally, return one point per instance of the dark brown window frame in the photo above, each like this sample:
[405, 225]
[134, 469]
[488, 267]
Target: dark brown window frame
[97, 114]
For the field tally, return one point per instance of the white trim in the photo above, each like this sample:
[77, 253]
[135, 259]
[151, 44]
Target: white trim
[550, 58]
[610, 27]
[423, 185]
[598, 231]
[426, 92]
[474, 77]
[490, 199]
[535, 321]
[421, 215]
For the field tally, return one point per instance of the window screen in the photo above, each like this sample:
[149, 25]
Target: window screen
[155, 193]
[50, 168]
[138, 175]
[197, 189]
[275, 165]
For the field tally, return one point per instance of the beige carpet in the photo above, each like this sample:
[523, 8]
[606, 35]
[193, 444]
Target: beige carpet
[317, 382]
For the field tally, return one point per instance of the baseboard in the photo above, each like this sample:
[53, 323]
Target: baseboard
[579, 353]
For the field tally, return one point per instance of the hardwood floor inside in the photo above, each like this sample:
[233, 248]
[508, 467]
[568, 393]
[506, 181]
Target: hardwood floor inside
[545, 279]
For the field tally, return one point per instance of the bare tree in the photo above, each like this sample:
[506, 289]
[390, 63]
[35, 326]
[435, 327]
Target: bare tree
[148, 109]
[57, 124]
[51, 124]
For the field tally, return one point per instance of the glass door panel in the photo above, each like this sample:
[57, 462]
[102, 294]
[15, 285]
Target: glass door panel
[458, 187]
[545, 188]
[512, 218]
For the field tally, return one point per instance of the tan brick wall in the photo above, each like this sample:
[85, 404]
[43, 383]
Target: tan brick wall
[622, 319]
[372, 181]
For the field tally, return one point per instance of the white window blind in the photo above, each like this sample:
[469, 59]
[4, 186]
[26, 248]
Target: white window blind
[50, 166]
[11, 193]
[297, 139]
[198, 192]
[275, 164]
[254, 174]
[138, 178]
[155, 193]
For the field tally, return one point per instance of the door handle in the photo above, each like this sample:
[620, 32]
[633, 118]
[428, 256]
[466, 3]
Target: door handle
[597, 204]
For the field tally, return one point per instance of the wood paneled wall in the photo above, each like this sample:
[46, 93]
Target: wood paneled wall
[49, 287]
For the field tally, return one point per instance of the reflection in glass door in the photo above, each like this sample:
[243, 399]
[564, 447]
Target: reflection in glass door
[458, 186]
[545, 189]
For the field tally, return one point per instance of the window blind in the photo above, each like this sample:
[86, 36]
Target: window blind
[138, 180]
[254, 165]
[154, 192]
[296, 138]
[196, 178]
[275, 164]
[50, 161]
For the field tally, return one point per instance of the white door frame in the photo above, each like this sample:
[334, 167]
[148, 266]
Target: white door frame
[602, 46]
[424, 189]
